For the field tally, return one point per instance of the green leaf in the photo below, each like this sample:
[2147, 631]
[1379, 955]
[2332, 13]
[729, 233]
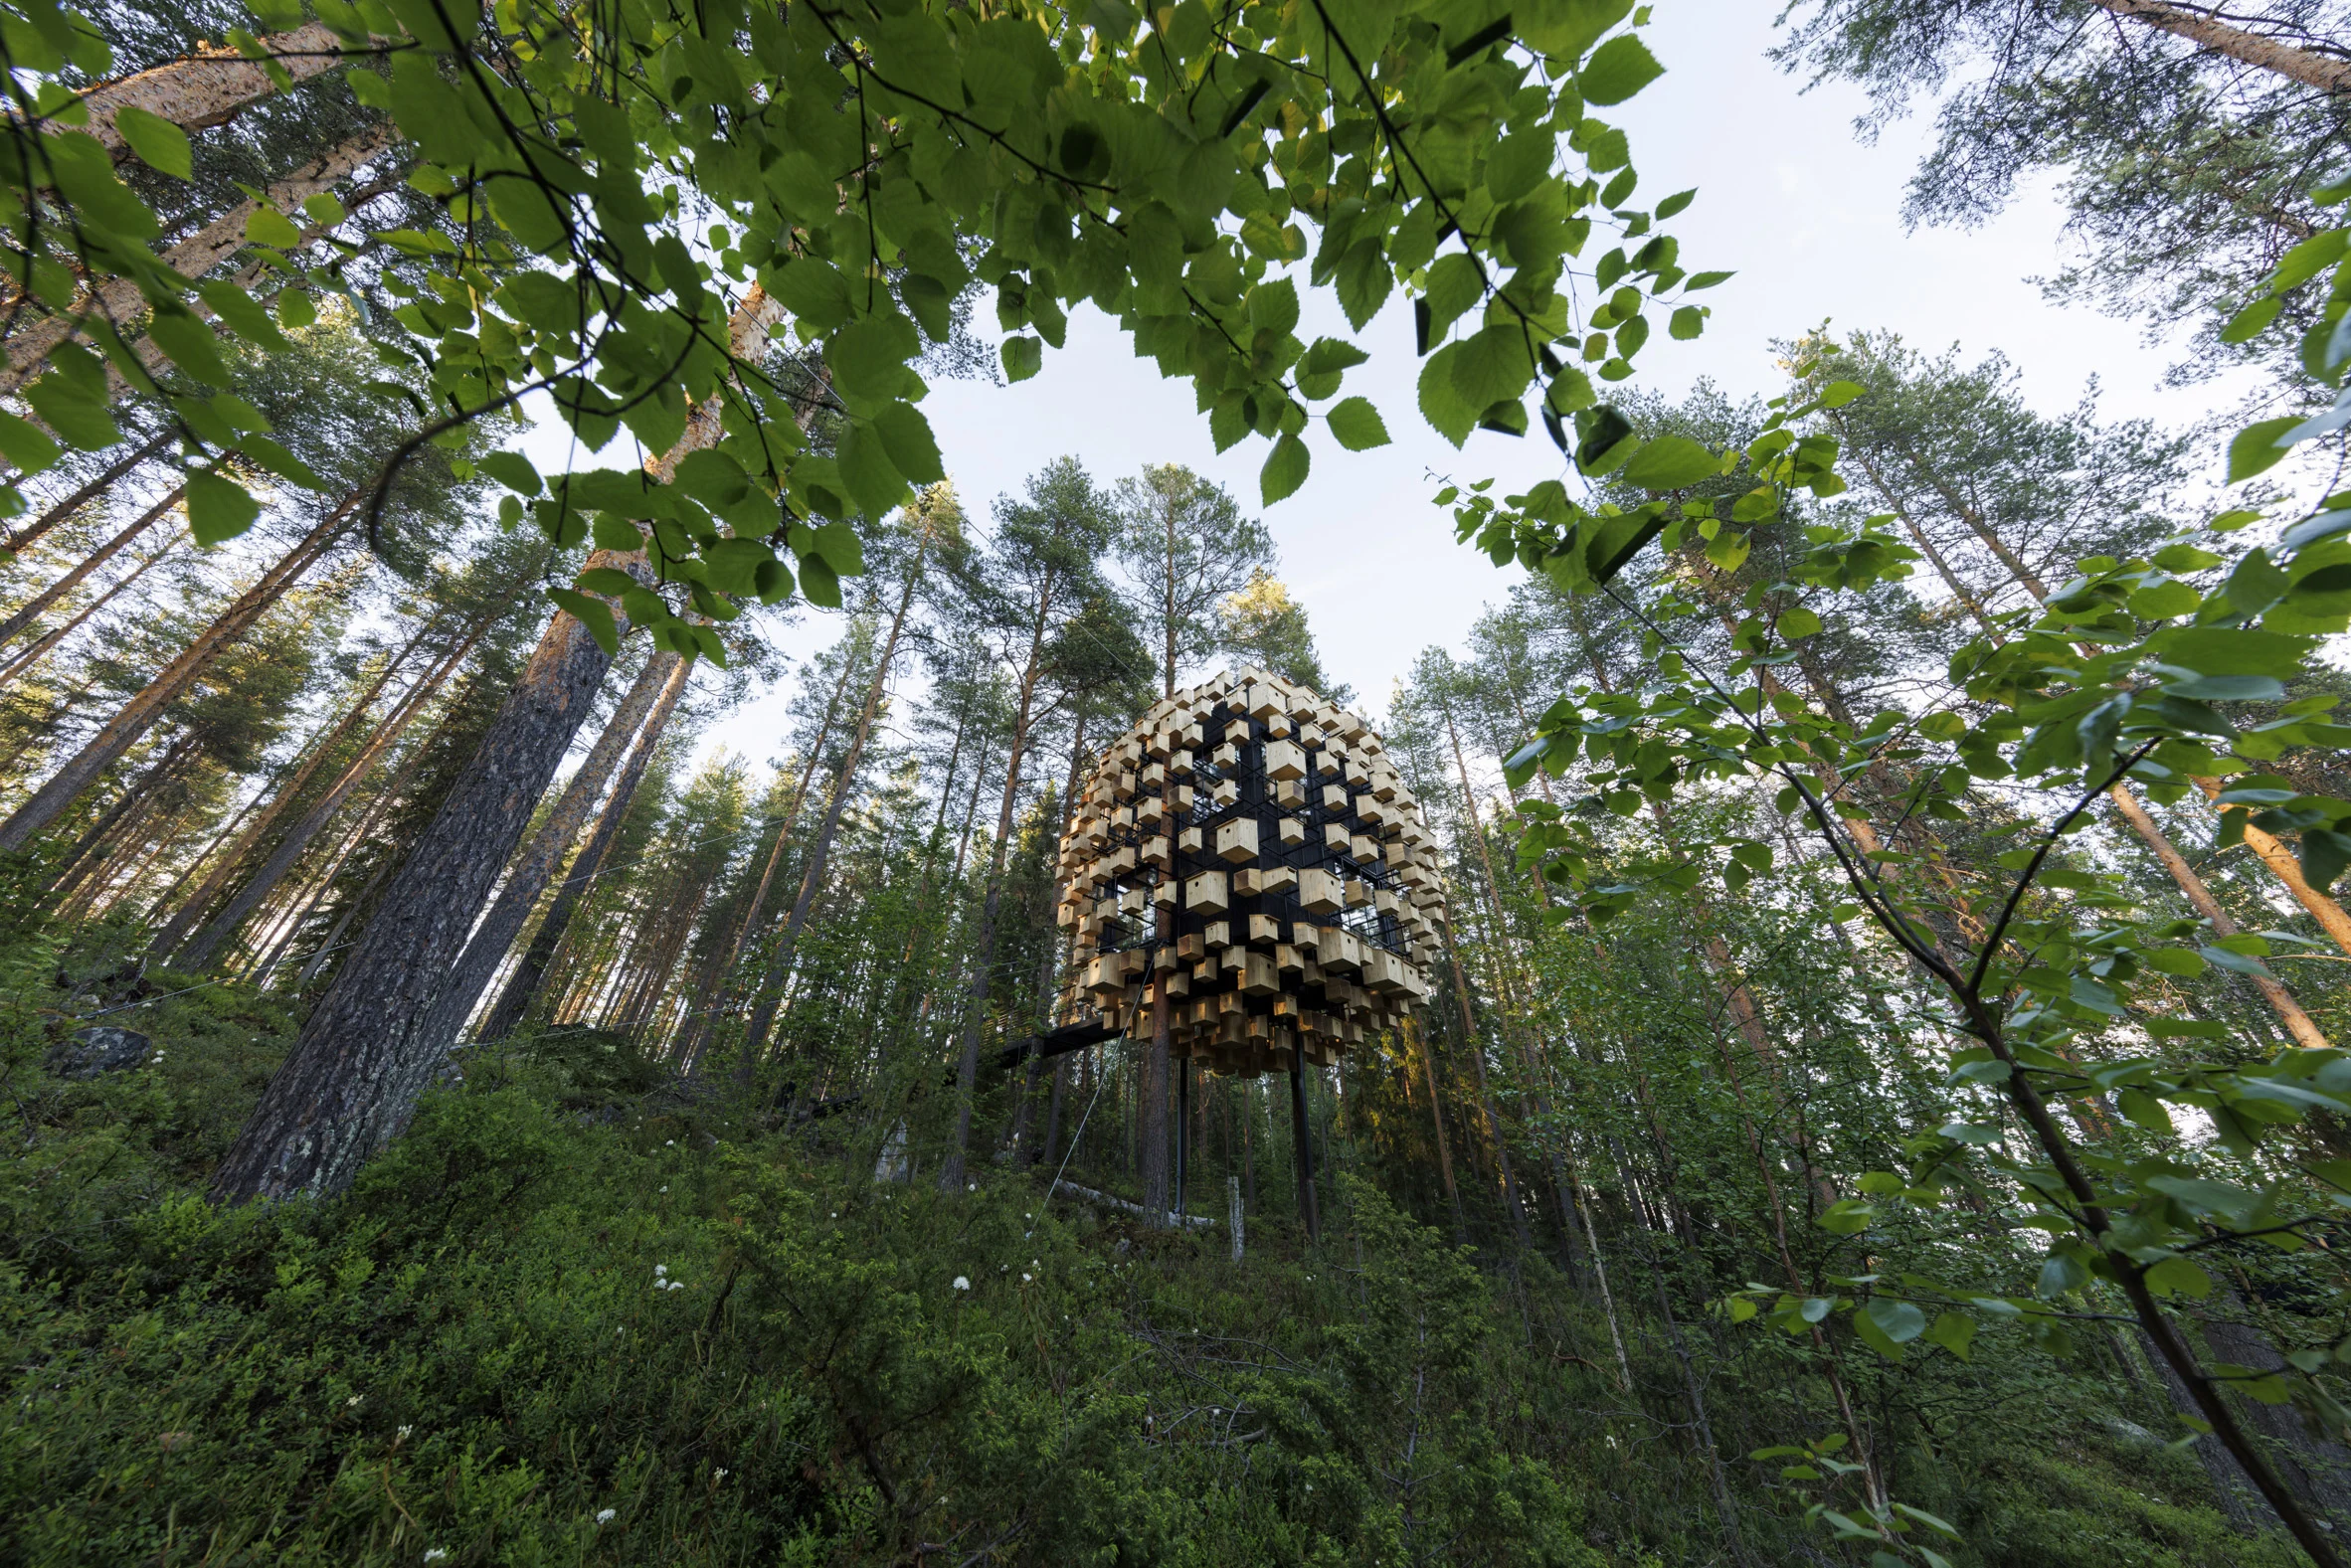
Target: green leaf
[1674, 204]
[1023, 357]
[1797, 623]
[818, 584]
[192, 343]
[2144, 1109]
[67, 408]
[511, 469]
[1899, 1322]
[874, 482]
[1492, 365]
[1357, 425]
[1285, 469]
[2256, 448]
[1448, 413]
[906, 436]
[733, 565]
[159, 143]
[267, 225]
[1617, 70]
[1671, 462]
[217, 510]
[1954, 1331]
[275, 458]
[23, 444]
[593, 613]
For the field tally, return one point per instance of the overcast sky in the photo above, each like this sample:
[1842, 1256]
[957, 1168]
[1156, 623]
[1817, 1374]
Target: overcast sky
[1788, 196]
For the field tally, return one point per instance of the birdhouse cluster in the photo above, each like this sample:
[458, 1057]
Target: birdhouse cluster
[1248, 855]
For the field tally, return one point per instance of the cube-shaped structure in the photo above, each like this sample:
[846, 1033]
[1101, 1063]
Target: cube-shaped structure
[1307, 912]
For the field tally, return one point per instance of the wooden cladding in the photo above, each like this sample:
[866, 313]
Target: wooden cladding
[1249, 850]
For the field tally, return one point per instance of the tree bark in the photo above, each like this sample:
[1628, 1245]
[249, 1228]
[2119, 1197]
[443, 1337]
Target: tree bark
[723, 968]
[82, 495]
[2202, 28]
[535, 867]
[209, 86]
[119, 733]
[522, 987]
[193, 907]
[362, 1059]
[37, 605]
[49, 640]
[951, 1169]
[1477, 1056]
[119, 301]
[2281, 863]
[206, 943]
[771, 990]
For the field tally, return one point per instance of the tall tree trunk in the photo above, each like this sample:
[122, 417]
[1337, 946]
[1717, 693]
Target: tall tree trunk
[771, 990]
[361, 1062]
[2329, 73]
[747, 918]
[210, 86]
[950, 1170]
[194, 906]
[48, 640]
[1477, 1055]
[2329, 915]
[119, 733]
[528, 877]
[33, 608]
[119, 301]
[522, 987]
[289, 849]
[57, 511]
[73, 867]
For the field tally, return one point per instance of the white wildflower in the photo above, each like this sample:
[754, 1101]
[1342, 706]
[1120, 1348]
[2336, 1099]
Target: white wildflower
[404, 1432]
[961, 1282]
[1024, 1277]
[605, 1516]
[971, 1187]
[436, 1554]
[660, 1268]
[354, 1400]
[669, 1143]
[720, 1476]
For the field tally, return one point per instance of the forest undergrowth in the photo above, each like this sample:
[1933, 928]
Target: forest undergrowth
[584, 1313]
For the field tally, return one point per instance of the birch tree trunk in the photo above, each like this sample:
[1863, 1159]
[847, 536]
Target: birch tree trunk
[118, 299]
